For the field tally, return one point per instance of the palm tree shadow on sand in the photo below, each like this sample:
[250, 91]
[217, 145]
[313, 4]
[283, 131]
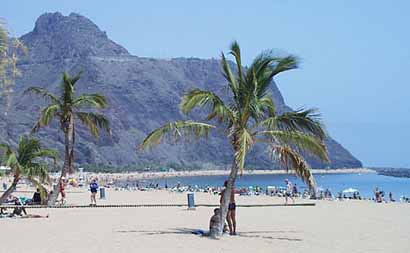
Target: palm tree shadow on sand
[279, 235]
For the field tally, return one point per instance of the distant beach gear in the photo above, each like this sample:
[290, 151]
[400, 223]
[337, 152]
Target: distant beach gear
[350, 190]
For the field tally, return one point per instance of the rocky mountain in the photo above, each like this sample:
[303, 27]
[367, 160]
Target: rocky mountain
[144, 93]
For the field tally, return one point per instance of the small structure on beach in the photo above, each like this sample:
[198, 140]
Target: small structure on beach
[350, 190]
[4, 168]
[351, 193]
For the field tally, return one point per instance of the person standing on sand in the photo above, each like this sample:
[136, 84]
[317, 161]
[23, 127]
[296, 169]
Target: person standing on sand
[391, 197]
[231, 216]
[289, 190]
[62, 190]
[93, 189]
[295, 190]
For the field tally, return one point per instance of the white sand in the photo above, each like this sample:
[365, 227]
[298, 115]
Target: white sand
[352, 226]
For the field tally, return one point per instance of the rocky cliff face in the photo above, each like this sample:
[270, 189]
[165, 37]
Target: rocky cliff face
[57, 37]
[144, 93]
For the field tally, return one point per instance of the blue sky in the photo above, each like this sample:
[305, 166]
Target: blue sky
[355, 54]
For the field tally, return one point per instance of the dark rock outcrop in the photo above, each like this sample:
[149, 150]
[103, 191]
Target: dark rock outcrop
[393, 172]
[144, 93]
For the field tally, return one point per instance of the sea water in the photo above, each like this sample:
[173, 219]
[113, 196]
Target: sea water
[365, 182]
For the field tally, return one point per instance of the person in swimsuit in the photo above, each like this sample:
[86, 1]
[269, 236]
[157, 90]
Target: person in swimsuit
[231, 216]
[288, 193]
[93, 189]
[62, 190]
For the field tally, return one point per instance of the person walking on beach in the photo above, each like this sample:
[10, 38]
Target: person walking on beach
[93, 189]
[231, 216]
[289, 190]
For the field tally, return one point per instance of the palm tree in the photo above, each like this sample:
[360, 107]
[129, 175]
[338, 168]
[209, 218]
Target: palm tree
[25, 162]
[249, 117]
[10, 49]
[67, 108]
[3, 40]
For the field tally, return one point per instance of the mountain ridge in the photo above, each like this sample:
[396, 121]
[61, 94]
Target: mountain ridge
[143, 92]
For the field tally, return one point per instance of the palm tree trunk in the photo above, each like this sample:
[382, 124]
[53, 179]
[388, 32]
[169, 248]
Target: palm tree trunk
[10, 190]
[226, 198]
[53, 197]
[68, 129]
[69, 148]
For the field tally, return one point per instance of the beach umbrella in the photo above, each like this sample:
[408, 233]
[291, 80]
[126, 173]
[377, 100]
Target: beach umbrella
[320, 189]
[350, 190]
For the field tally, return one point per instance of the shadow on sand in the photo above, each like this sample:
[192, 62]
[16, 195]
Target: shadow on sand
[279, 235]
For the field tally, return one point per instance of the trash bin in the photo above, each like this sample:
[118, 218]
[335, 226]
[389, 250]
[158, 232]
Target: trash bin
[102, 193]
[191, 202]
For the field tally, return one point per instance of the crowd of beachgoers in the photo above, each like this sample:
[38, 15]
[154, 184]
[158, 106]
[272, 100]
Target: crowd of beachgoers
[278, 191]
[142, 182]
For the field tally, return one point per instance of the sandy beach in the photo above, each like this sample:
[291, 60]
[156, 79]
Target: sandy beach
[330, 226]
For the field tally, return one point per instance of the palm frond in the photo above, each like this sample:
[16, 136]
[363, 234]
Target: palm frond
[46, 116]
[23, 161]
[46, 153]
[284, 64]
[26, 148]
[307, 121]
[236, 52]
[202, 98]
[301, 141]
[94, 122]
[3, 40]
[67, 89]
[258, 75]
[267, 105]
[37, 170]
[265, 67]
[6, 148]
[227, 73]
[261, 108]
[11, 161]
[291, 160]
[9, 158]
[77, 77]
[91, 100]
[44, 93]
[242, 142]
[176, 131]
